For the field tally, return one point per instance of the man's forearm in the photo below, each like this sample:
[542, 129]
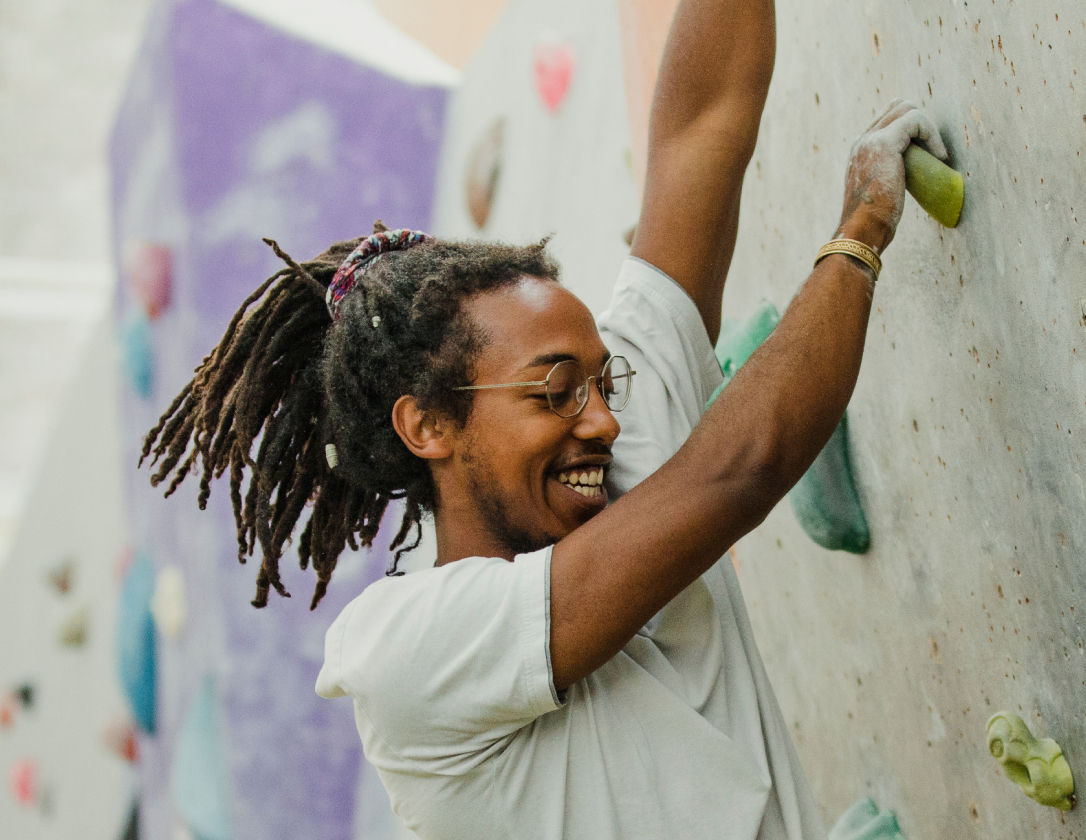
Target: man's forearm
[704, 124]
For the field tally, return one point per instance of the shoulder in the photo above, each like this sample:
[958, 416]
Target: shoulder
[400, 626]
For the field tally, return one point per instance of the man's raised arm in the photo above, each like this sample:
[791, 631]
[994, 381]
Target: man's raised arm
[703, 126]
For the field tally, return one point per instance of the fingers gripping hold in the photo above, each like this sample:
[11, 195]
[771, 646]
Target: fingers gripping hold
[914, 124]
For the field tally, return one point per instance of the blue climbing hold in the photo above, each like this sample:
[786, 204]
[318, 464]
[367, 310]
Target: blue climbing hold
[137, 353]
[198, 776]
[136, 641]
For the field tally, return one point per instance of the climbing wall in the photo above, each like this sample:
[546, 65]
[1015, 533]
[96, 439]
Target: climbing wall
[537, 141]
[301, 122]
[965, 431]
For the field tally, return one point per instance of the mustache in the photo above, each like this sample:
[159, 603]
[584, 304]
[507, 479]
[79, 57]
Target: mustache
[592, 450]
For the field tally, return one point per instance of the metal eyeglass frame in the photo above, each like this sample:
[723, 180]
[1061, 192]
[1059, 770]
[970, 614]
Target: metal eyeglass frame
[546, 384]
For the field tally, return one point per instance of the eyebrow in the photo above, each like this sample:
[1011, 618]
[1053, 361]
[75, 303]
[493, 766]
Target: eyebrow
[554, 358]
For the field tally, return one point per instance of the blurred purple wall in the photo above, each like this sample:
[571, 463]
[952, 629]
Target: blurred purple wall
[229, 131]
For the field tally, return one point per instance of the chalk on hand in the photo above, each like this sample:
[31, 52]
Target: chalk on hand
[936, 187]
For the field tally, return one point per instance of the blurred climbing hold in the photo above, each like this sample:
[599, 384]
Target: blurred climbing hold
[554, 61]
[23, 782]
[484, 170]
[137, 353]
[1035, 765]
[149, 271]
[824, 500]
[863, 821]
[25, 694]
[168, 602]
[62, 576]
[73, 632]
[136, 640]
[739, 338]
[936, 187]
[121, 739]
[198, 776]
[131, 830]
[8, 707]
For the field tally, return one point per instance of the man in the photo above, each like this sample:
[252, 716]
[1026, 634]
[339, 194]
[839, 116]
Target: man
[570, 668]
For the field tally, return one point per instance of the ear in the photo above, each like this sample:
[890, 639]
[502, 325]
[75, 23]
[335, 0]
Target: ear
[426, 434]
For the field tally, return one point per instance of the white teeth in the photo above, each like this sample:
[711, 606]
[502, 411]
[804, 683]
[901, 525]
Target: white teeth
[583, 481]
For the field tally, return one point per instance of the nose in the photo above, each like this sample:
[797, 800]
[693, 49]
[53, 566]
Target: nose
[596, 421]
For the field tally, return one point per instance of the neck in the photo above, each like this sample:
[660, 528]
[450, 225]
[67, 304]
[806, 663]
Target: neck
[461, 533]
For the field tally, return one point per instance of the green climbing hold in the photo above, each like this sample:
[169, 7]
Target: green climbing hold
[825, 500]
[1034, 764]
[863, 821]
[936, 187]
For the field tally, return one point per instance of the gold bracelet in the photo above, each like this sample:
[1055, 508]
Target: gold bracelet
[852, 248]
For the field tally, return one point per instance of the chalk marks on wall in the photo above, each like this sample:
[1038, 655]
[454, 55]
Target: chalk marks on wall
[553, 61]
[483, 172]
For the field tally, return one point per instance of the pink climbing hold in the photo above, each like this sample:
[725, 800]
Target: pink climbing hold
[121, 740]
[554, 62]
[23, 780]
[149, 269]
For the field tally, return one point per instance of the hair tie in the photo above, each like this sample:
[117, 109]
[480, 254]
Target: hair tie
[362, 258]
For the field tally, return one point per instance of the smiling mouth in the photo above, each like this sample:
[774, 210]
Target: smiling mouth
[587, 482]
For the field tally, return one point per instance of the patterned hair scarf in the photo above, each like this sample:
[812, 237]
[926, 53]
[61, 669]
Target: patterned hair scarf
[362, 258]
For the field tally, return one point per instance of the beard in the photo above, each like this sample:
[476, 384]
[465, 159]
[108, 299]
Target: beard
[518, 538]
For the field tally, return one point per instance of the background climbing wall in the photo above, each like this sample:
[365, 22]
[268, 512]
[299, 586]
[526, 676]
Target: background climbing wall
[550, 74]
[967, 425]
[967, 422]
[242, 121]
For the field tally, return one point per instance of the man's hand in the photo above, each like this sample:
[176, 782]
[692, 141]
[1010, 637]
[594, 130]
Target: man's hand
[875, 183]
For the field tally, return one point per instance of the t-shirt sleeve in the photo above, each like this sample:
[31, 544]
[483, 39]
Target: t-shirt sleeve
[653, 323]
[446, 663]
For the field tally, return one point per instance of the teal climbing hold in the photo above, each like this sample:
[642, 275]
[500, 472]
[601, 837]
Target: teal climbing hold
[824, 500]
[739, 338]
[198, 775]
[863, 821]
[138, 353]
[136, 640]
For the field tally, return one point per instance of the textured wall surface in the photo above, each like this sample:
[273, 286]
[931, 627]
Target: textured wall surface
[966, 426]
[233, 130]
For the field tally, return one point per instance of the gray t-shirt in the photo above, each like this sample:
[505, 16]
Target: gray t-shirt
[677, 737]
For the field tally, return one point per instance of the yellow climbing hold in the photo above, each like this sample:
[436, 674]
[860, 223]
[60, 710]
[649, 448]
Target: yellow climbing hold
[1035, 765]
[936, 187]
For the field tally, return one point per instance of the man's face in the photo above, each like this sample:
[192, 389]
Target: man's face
[517, 459]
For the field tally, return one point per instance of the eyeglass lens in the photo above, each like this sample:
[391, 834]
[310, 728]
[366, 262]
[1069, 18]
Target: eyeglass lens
[567, 386]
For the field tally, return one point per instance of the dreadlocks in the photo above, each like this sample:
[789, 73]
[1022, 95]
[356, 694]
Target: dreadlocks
[284, 370]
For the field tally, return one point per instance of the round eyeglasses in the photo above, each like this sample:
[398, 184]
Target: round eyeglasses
[567, 386]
